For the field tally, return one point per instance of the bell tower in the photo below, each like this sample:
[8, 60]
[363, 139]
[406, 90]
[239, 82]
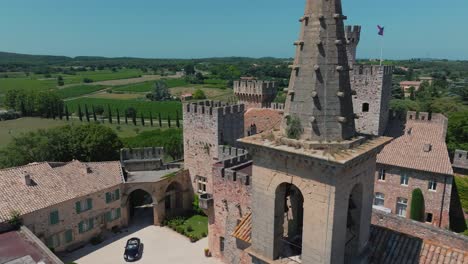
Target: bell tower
[313, 181]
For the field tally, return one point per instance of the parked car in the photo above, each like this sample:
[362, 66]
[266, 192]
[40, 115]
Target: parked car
[133, 249]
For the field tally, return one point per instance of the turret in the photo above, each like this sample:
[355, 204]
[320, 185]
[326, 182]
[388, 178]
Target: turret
[353, 35]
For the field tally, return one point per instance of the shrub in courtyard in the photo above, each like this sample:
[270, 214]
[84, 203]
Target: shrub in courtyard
[417, 205]
[189, 228]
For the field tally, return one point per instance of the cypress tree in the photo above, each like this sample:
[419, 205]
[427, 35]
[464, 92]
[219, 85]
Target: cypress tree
[86, 112]
[109, 112]
[151, 119]
[169, 120]
[142, 120]
[80, 114]
[23, 108]
[67, 114]
[94, 114]
[134, 119]
[118, 116]
[60, 112]
[177, 119]
[126, 118]
[160, 120]
[417, 205]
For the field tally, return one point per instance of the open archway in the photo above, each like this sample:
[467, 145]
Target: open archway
[140, 207]
[289, 219]
[353, 223]
[173, 201]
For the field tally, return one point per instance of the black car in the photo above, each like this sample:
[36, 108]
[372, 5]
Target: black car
[133, 249]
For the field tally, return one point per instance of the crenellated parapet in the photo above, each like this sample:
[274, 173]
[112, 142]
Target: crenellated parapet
[212, 108]
[227, 152]
[372, 70]
[255, 93]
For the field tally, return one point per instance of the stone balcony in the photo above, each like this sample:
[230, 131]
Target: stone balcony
[205, 201]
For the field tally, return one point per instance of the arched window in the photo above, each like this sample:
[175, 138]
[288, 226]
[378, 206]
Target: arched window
[365, 107]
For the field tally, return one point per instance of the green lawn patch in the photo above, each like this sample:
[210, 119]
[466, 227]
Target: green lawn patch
[194, 227]
[7, 84]
[79, 90]
[103, 75]
[175, 82]
[167, 108]
[136, 88]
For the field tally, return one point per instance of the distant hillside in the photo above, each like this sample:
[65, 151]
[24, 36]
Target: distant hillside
[15, 58]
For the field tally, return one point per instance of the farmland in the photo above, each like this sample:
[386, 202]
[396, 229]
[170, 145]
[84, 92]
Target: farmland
[25, 83]
[79, 90]
[168, 108]
[102, 75]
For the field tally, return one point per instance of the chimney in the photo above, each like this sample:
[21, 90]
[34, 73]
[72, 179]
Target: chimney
[86, 169]
[27, 179]
[427, 147]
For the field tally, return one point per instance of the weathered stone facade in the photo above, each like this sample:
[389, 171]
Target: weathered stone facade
[371, 85]
[208, 125]
[255, 93]
[436, 202]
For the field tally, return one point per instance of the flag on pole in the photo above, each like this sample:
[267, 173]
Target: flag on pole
[381, 30]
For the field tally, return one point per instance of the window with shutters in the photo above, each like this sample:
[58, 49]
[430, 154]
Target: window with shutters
[112, 196]
[68, 236]
[53, 241]
[86, 225]
[54, 217]
[84, 205]
[113, 215]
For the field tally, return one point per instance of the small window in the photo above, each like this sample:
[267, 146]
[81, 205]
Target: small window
[379, 199]
[221, 244]
[53, 241]
[201, 183]
[404, 179]
[365, 107]
[382, 175]
[113, 214]
[428, 217]
[86, 225]
[54, 217]
[402, 204]
[68, 236]
[432, 185]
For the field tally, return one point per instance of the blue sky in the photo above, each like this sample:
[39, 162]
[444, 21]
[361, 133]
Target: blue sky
[214, 28]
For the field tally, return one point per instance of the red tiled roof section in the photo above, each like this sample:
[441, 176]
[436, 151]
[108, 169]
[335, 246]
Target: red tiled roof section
[53, 184]
[264, 119]
[243, 230]
[408, 150]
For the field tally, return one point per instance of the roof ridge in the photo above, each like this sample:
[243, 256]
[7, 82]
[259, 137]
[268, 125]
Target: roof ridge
[26, 166]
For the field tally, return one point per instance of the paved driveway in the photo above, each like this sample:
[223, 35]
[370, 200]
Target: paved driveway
[161, 245]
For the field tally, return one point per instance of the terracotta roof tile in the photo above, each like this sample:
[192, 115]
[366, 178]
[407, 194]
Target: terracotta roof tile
[265, 119]
[52, 184]
[407, 151]
[244, 229]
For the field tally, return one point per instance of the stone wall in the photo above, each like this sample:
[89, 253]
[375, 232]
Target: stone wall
[142, 159]
[255, 93]
[38, 221]
[420, 230]
[353, 35]
[460, 162]
[436, 202]
[232, 201]
[208, 125]
[371, 102]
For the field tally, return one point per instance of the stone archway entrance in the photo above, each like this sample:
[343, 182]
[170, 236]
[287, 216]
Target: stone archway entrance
[140, 208]
[289, 219]
[173, 200]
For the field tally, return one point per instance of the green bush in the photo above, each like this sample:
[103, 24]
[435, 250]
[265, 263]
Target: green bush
[417, 205]
[189, 228]
[294, 128]
[15, 219]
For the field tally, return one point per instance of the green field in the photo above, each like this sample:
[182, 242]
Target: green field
[144, 107]
[135, 88]
[103, 75]
[25, 83]
[12, 128]
[79, 90]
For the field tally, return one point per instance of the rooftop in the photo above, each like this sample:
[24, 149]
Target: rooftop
[150, 176]
[421, 147]
[39, 185]
[264, 119]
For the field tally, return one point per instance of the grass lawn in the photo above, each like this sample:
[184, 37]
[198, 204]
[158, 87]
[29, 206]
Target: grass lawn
[211, 93]
[103, 75]
[118, 96]
[143, 107]
[79, 90]
[199, 223]
[25, 83]
[12, 128]
[137, 88]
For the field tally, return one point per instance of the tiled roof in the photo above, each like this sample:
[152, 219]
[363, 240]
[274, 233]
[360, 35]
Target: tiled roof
[387, 246]
[52, 184]
[265, 119]
[407, 151]
[417, 83]
[243, 230]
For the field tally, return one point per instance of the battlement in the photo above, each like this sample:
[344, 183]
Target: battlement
[141, 153]
[426, 117]
[213, 108]
[353, 34]
[460, 160]
[372, 70]
[254, 87]
[227, 152]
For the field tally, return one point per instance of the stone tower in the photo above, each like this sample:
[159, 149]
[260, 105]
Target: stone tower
[371, 86]
[312, 194]
[255, 93]
[207, 126]
[353, 35]
[319, 90]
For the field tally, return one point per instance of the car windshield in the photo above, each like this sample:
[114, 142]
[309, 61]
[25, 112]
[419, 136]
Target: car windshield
[132, 244]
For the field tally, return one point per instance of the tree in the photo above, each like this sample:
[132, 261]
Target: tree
[412, 93]
[126, 118]
[80, 114]
[67, 114]
[99, 109]
[118, 116]
[86, 112]
[109, 114]
[169, 120]
[173, 146]
[87, 80]
[151, 119]
[160, 120]
[177, 119]
[189, 69]
[410, 74]
[142, 119]
[134, 120]
[160, 92]
[94, 113]
[131, 112]
[199, 95]
[457, 133]
[60, 81]
[417, 205]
